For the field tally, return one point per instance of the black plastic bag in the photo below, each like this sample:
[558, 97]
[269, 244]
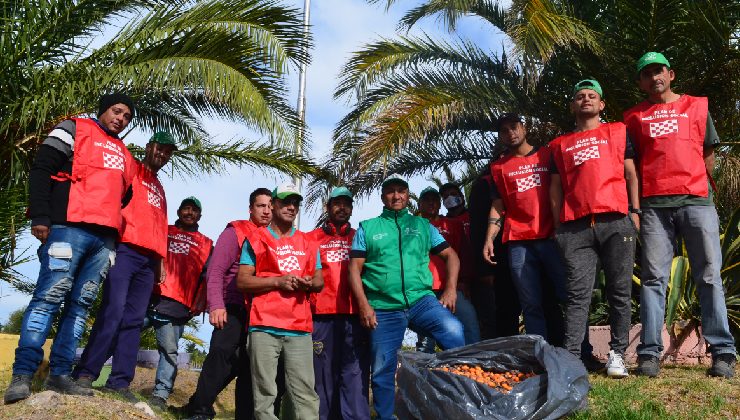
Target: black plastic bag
[560, 386]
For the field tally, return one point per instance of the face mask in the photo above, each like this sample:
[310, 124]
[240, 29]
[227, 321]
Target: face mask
[452, 201]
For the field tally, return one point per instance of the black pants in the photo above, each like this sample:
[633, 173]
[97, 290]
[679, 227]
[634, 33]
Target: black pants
[227, 359]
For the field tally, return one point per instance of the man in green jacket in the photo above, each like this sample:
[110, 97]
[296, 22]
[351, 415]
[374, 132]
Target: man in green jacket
[390, 278]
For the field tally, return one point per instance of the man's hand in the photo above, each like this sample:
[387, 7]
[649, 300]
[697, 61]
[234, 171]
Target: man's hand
[367, 317]
[40, 232]
[162, 271]
[304, 283]
[287, 282]
[636, 220]
[448, 299]
[488, 253]
[217, 318]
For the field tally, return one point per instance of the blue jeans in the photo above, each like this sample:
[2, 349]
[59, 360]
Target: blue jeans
[74, 261]
[465, 313]
[530, 261]
[426, 315]
[168, 335]
[699, 227]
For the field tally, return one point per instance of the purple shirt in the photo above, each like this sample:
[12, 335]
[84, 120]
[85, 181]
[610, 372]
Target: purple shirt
[222, 270]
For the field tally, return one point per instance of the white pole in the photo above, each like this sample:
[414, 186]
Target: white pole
[302, 99]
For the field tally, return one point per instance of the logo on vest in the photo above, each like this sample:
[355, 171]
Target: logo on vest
[337, 256]
[154, 199]
[411, 231]
[586, 154]
[662, 128]
[179, 248]
[112, 161]
[527, 183]
[289, 264]
[379, 236]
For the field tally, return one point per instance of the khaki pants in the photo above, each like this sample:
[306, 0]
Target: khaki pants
[264, 351]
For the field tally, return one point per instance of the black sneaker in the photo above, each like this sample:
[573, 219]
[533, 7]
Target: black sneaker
[723, 366]
[648, 365]
[64, 384]
[158, 402]
[84, 382]
[124, 393]
[592, 364]
[19, 389]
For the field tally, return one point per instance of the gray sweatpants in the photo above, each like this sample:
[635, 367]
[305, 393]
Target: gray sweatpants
[611, 238]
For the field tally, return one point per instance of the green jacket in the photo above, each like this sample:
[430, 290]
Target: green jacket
[396, 271]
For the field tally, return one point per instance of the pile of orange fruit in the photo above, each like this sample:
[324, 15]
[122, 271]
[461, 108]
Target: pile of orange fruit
[502, 382]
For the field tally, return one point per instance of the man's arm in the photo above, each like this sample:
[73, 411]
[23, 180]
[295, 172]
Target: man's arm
[452, 267]
[224, 255]
[248, 282]
[367, 313]
[556, 198]
[709, 159]
[494, 227]
[633, 189]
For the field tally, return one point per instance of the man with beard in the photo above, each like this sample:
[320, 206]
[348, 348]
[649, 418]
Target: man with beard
[674, 139]
[139, 263]
[593, 184]
[340, 344]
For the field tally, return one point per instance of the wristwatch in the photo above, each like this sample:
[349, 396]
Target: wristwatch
[636, 211]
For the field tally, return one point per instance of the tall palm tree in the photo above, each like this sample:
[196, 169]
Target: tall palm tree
[415, 96]
[182, 62]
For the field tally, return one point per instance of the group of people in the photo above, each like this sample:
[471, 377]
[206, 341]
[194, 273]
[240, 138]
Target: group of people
[308, 322]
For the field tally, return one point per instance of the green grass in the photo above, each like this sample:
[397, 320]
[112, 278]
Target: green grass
[678, 393]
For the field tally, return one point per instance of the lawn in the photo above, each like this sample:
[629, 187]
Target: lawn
[679, 393]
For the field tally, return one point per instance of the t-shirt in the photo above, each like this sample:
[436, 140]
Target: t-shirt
[248, 258]
[359, 246]
[711, 139]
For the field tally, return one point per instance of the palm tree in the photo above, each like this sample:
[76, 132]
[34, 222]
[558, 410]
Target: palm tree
[415, 97]
[181, 61]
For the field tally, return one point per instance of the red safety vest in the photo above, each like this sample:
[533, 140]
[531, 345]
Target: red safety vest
[145, 217]
[669, 140]
[278, 257]
[243, 228]
[187, 253]
[524, 185]
[336, 296]
[591, 167]
[107, 168]
[454, 233]
[464, 218]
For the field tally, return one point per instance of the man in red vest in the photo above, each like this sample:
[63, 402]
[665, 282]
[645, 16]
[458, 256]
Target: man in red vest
[674, 140]
[280, 267]
[227, 356]
[340, 344]
[78, 183]
[139, 260]
[453, 231]
[182, 294]
[593, 184]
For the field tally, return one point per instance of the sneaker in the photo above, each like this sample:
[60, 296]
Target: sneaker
[723, 365]
[592, 364]
[615, 366]
[19, 389]
[158, 402]
[124, 393]
[648, 365]
[84, 382]
[64, 384]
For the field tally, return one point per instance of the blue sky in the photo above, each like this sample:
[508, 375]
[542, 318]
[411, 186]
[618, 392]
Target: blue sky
[339, 28]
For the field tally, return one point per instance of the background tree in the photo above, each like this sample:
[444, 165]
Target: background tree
[13, 326]
[181, 61]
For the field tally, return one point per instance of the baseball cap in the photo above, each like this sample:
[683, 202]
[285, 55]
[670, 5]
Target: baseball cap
[428, 190]
[285, 190]
[652, 58]
[506, 116]
[163, 137]
[394, 178]
[341, 192]
[588, 84]
[193, 200]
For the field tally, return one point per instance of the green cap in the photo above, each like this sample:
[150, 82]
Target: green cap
[193, 200]
[428, 190]
[652, 58]
[163, 137]
[285, 190]
[588, 84]
[394, 179]
[341, 192]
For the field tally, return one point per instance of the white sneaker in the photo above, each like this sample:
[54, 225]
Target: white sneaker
[615, 367]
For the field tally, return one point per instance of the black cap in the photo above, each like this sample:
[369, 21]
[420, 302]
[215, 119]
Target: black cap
[107, 101]
[506, 116]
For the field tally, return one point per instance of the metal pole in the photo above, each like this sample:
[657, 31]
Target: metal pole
[302, 99]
